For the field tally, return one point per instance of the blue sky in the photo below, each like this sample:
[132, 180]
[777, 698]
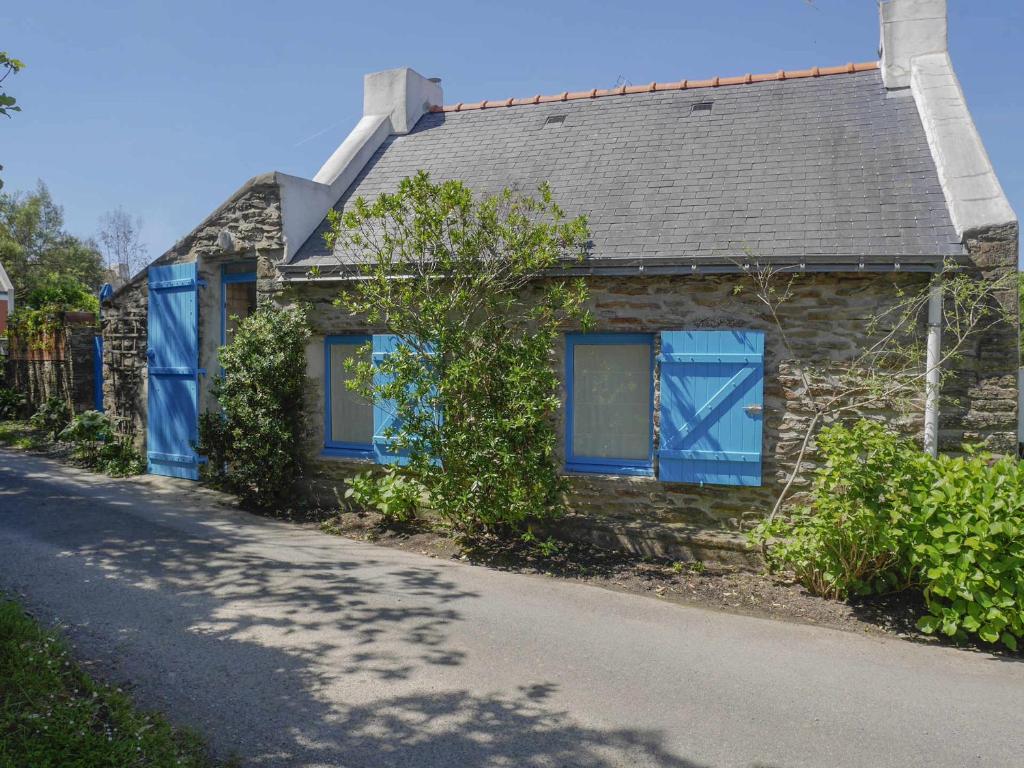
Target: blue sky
[166, 108]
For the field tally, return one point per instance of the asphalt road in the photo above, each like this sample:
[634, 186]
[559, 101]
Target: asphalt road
[288, 647]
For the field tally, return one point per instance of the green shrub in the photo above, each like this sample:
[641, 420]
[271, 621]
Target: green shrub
[11, 403]
[394, 495]
[95, 442]
[257, 442]
[967, 528]
[53, 415]
[118, 458]
[213, 445]
[848, 540]
[88, 432]
[885, 516]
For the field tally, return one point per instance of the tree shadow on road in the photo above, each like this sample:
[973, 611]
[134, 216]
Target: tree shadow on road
[285, 648]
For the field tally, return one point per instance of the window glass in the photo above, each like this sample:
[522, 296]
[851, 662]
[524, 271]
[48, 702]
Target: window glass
[351, 415]
[611, 394]
[239, 303]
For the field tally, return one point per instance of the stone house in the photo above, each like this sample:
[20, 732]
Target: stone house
[682, 410]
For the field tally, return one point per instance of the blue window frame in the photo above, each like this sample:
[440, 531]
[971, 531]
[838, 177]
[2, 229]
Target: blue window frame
[226, 279]
[598, 393]
[338, 447]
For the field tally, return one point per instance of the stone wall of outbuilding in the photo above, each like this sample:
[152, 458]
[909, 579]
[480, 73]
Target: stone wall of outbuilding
[251, 221]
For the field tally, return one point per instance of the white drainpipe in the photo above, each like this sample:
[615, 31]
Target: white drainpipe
[933, 375]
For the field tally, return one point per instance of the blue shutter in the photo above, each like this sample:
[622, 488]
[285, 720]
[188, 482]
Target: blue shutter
[712, 401]
[384, 416]
[172, 423]
[385, 413]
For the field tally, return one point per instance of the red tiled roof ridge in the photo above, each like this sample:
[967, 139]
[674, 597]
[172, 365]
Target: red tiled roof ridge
[679, 85]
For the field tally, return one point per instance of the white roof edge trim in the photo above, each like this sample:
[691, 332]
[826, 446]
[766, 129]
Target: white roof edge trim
[973, 193]
[370, 130]
[305, 203]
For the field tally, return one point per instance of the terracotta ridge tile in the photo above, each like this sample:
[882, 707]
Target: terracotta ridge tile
[679, 85]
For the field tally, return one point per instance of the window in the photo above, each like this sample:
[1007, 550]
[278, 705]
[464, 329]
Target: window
[609, 424]
[348, 418]
[238, 298]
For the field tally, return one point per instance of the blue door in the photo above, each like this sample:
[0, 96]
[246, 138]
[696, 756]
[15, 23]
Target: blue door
[712, 403]
[173, 358]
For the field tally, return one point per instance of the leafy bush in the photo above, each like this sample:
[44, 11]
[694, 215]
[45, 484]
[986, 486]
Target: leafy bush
[477, 324]
[257, 442]
[849, 539]
[967, 528]
[96, 443]
[11, 403]
[394, 495]
[118, 458]
[886, 516]
[88, 431]
[53, 415]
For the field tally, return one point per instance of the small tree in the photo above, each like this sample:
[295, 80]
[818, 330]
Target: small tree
[254, 446]
[120, 236]
[458, 280]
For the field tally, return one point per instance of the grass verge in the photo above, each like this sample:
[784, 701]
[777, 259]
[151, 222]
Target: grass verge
[21, 434]
[54, 715]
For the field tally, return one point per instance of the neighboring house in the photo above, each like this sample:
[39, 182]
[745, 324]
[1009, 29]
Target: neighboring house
[6, 306]
[6, 298]
[864, 176]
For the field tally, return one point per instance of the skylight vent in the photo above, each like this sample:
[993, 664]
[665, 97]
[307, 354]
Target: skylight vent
[701, 107]
[554, 120]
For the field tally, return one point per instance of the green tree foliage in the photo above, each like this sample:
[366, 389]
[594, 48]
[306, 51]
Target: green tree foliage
[255, 446]
[8, 66]
[34, 247]
[885, 516]
[8, 104]
[473, 383]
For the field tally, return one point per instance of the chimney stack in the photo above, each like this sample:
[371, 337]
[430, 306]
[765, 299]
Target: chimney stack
[910, 28]
[402, 94]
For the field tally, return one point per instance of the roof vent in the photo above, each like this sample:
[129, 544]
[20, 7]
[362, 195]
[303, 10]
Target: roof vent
[701, 106]
[554, 119]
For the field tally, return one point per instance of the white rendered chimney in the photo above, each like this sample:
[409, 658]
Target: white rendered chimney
[910, 28]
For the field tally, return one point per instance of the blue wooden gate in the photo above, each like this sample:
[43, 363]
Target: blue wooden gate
[712, 402]
[97, 373]
[173, 357]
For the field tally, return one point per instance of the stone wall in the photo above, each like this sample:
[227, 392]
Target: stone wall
[252, 218]
[825, 319]
[123, 325]
[980, 401]
[59, 365]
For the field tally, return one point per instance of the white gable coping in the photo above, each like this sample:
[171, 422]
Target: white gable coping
[910, 28]
[393, 101]
[973, 193]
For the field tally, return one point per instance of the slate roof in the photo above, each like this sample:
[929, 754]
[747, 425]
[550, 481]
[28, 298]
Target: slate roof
[834, 168]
